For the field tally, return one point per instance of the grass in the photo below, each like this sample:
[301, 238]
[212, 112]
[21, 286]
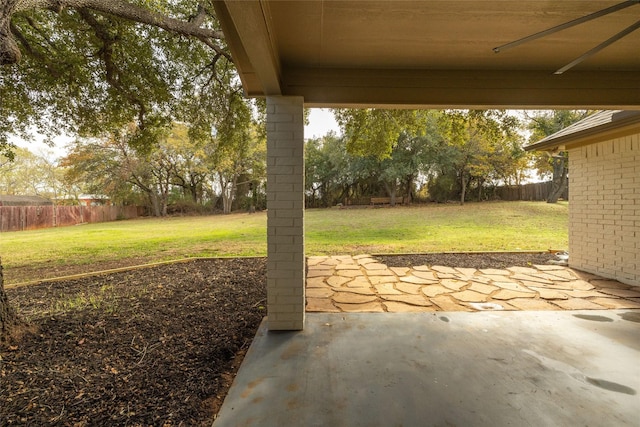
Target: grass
[497, 226]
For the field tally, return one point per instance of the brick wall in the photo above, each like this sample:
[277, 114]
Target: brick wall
[604, 209]
[285, 213]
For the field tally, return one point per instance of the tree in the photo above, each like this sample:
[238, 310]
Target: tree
[547, 123]
[91, 67]
[8, 317]
[475, 138]
[28, 173]
[374, 132]
[190, 162]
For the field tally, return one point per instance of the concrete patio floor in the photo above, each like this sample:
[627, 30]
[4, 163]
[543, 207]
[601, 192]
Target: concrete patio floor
[518, 368]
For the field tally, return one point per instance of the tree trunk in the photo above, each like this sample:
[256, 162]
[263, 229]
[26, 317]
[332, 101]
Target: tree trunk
[463, 188]
[391, 192]
[155, 203]
[228, 192]
[560, 171]
[8, 318]
[9, 51]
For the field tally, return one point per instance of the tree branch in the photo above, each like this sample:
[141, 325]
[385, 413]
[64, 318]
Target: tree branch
[10, 53]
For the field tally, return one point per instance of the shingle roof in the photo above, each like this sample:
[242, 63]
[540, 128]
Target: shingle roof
[598, 123]
[10, 200]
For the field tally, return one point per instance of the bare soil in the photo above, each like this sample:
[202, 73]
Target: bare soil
[156, 346]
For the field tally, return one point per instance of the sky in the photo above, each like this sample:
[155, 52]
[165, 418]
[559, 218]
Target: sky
[321, 121]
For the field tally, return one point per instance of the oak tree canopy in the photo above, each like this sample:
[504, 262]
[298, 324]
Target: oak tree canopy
[91, 67]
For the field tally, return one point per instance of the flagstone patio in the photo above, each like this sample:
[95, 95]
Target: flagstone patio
[362, 284]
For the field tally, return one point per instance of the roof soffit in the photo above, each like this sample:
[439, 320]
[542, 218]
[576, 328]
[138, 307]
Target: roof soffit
[432, 53]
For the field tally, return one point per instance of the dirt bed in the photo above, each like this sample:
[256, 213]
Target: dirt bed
[156, 346]
[469, 260]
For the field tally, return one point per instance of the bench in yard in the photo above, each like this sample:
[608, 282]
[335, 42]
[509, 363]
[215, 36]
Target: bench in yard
[381, 200]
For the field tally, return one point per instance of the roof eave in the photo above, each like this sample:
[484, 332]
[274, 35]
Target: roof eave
[618, 128]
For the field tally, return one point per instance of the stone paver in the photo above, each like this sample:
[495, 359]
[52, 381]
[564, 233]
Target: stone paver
[443, 269]
[349, 273]
[337, 281]
[454, 284]
[409, 288]
[314, 272]
[446, 303]
[361, 291]
[408, 299]
[350, 298]
[584, 294]
[470, 296]
[523, 270]
[615, 303]
[578, 304]
[316, 282]
[467, 272]
[319, 292]
[495, 272]
[323, 305]
[531, 304]
[424, 275]
[386, 289]
[546, 293]
[512, 286]
[347, 267]
[416, 280]
[507, 294]
[482, 288]
[361, 283]
[377, 280]
[400, 271]
[435, 290]
[399, 307]
[531, 278]
[370, 307]
[623, 293]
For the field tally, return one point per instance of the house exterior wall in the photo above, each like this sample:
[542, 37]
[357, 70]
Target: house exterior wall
[604, 209]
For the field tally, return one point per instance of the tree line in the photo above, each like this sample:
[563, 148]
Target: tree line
[405, 155]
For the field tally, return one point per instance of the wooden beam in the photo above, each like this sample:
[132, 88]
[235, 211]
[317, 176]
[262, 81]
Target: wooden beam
[331, 87]
[246, 28]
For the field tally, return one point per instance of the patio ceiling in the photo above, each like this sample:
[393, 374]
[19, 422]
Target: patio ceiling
[433, 53]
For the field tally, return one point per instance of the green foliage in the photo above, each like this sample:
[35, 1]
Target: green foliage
[481, 146]
[26, 173]
[454, 151]
[374, 132]
[91, 74]
[544, 123]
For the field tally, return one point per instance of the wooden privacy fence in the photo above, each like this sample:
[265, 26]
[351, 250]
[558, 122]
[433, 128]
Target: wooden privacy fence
[18, 218]
[533, 192]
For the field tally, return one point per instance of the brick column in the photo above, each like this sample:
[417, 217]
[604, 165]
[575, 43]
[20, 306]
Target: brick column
[285, 215]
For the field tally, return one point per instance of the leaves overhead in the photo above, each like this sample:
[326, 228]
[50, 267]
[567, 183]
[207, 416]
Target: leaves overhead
[90, 67]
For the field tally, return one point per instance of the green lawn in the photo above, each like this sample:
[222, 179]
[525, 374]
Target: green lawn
[498, 226]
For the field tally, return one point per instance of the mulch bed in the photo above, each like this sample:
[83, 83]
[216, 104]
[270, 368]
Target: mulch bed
[155, 346]
[470, 260]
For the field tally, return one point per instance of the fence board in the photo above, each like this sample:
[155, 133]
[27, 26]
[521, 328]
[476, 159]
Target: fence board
[19, 218]
[538, 191]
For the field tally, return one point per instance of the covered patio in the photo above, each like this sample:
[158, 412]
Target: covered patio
[413, 54]
[446, 368]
